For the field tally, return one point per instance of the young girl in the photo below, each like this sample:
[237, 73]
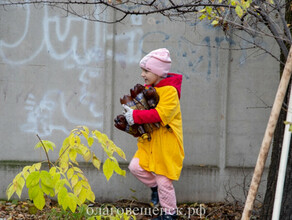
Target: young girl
[158, 162]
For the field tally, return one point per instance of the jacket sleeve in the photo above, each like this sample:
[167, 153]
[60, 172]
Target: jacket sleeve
[146, 116]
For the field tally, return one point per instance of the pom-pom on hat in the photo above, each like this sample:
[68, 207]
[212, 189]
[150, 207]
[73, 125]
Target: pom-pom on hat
[157, 61]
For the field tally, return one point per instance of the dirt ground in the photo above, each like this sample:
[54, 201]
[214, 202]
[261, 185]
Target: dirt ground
[10, 210]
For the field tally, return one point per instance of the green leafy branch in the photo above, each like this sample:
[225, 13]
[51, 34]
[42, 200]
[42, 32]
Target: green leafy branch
[64, 178]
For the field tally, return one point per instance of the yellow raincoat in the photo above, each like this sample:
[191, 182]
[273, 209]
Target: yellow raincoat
[164, 154]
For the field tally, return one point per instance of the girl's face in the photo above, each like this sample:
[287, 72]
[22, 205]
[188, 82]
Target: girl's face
[150, 78]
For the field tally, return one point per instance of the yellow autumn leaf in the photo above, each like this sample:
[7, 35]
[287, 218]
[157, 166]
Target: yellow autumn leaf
[209, 10]
[96, 162]
[239, 11]
[72, 204]
[25, 174]
[82, 195]
[10, 190]
[87, 156]
[86, 129]
[39, 201]
[77, 188]
[102, 138]
[90, 196]
[26, 168]
[64, 166]
[74, 180]
[37, 166]
[90, 141]
[73, 155]
[108, 168]
[84, 134]
[215, 23]
[121, 153]
[202, 16]
[52, 171]
[117, 168]
[77, 169]
[72, 139]
[70, 173]
[234, 2]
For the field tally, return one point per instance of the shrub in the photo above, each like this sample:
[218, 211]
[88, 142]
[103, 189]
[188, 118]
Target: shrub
[65, 179]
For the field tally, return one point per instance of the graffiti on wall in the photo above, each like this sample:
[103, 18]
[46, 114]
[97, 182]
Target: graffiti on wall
[79, 46]
[76, 55]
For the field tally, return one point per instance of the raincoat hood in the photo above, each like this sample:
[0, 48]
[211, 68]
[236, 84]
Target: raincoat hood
[172, 79]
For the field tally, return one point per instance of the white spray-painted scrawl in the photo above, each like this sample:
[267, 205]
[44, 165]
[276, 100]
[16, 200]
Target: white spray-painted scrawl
[48, 111]
[79, 45]
[78, 48]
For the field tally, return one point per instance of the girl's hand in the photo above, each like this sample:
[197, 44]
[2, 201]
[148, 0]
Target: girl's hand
[128, 113]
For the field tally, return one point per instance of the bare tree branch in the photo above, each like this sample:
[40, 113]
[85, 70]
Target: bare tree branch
[284, 23]
[274, 31]
[260, 14]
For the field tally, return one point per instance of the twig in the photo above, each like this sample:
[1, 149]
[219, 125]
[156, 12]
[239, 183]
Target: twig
[49, 163]
[62, 153]
[216, 210]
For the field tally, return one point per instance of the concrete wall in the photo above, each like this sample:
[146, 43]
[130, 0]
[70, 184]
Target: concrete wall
[59, 71]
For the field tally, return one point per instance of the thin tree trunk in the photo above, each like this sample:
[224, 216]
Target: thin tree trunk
[269, 134]
[267, 208]
[286, 209]
[268, 203]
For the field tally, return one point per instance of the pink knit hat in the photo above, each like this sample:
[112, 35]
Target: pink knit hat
[157, 61]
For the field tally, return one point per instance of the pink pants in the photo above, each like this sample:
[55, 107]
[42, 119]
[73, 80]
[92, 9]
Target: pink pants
[166, 190]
